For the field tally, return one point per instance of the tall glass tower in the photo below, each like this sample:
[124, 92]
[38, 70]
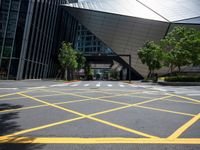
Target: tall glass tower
[26, 37]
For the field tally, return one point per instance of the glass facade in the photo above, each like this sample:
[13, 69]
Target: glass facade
[89, 44]
[125, 25]
[31, 30]
[27, 29]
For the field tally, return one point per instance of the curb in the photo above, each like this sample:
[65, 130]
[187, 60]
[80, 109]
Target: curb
[180, 83]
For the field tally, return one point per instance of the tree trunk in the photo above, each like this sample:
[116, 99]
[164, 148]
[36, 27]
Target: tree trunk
[66, 74]
[78, 74]
[149, 74]
[179, 69]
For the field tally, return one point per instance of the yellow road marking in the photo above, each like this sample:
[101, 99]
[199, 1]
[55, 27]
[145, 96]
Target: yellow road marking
[148, 98]
[70, 120]
[38, 96]
[122, 103]
[184, 127]
[113, 140]
[92, 118]
[10, 94]
[12, 98]
[152, 108]
[136, 92]
[42, 127]
[38, 106]
[179, 101]
[187, 98]
[165, 110]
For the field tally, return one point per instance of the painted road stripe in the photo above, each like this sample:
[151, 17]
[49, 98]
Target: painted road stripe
[113, 140]
[74, 85]
[98, 84]
[59, 85]
[184, 127]
[109, 85]
[9, 88]
[86, 85]
[39, 87]
[61, 122]
[87, 116]
[121, 85]
[183, 97]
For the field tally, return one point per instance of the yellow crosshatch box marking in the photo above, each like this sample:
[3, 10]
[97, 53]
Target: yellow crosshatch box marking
[148, 139]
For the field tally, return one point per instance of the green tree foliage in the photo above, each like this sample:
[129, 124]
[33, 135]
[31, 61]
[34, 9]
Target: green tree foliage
[176, 52]
[67, 58]
[191, 43]
[88, 72]
[181, 47]
[81, 61]
[151, 55]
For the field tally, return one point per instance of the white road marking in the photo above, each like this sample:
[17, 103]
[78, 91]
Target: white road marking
[86, 85]
[98, 84]
[9, 88]
[159, 89]
[121, 85]
[59, 85]
[39, 87]
[109, 85]
[73, 85]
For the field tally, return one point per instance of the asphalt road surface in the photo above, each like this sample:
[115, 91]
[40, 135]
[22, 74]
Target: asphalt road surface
[99, 115]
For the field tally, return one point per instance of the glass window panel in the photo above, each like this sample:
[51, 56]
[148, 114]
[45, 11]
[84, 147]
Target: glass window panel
[15, 5]
[13, 68]
[5, 4]
[7, 51]
[4, 68]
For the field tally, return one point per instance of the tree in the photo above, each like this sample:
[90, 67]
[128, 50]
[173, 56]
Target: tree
[180, 48]
[67, 58]
[88, 72]
[191, 42]
[80, 60]
[151, 55]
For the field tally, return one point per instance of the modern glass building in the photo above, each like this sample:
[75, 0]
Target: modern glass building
[125, 25]
[31, 30]
[27, 30]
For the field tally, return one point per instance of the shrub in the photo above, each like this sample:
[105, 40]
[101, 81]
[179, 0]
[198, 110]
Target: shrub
[183, 79]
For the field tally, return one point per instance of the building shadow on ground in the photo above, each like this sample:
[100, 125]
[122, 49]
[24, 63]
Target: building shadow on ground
[9, 125]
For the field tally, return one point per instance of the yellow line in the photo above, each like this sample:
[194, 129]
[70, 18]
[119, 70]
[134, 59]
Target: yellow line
[38, 106]
[184, 127]
[89, 117]
[38, 96]
[152, 108]
[43, 127]
[165, 110]
[78, 118]
[136, 92]
[148, 98]
[179, 101]
[10, 94]
[187, 98]
[13, 98]
[113, 140]
[122, 103]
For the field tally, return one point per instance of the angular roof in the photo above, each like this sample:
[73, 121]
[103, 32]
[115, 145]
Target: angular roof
[161, 10]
